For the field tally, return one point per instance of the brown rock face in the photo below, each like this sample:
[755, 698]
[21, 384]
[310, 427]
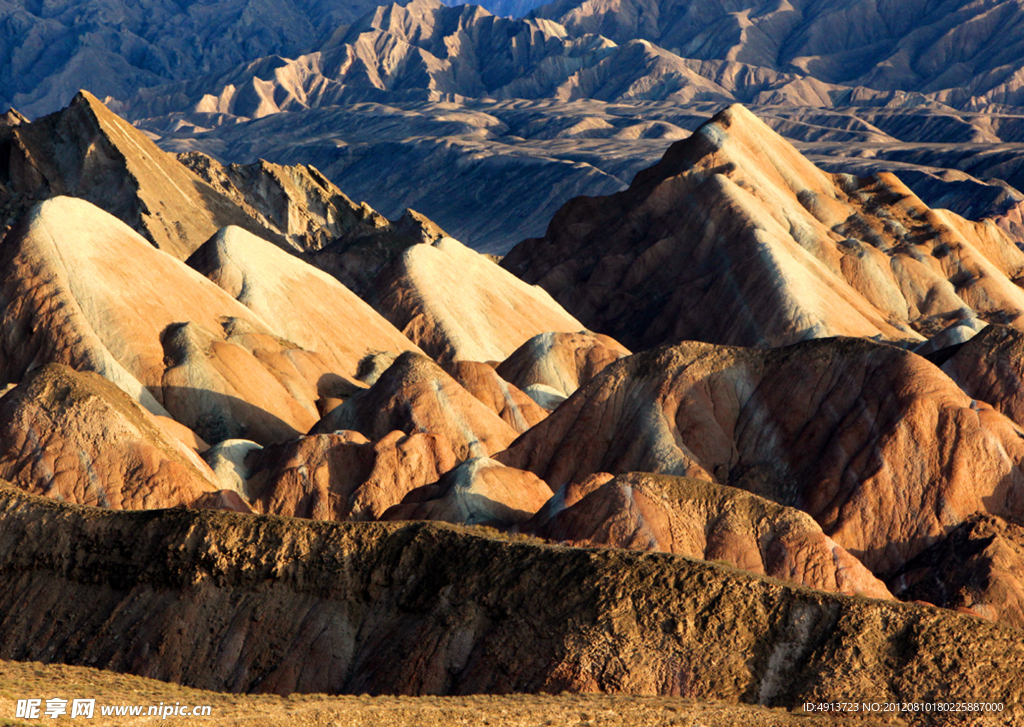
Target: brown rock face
[297, 202]
[425, 608]
[370, 246]
[415, 395]
[979, 567]
[299, 302]
[735, 238]
[78, 438]
[344, 476]
[457, 304]
[12, 117]
[990, 367]
[563, 361]
[713, 522]
[477, 492]
[89, 152]
[877, 444]
[515, 408]
[79, 287]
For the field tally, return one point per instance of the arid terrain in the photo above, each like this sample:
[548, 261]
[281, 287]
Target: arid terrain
[599, 362]
[313, 710]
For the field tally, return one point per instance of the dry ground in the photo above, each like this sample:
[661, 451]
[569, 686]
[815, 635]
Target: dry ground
[20, 680]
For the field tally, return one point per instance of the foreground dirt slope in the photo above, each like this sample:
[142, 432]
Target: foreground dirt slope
[432, 609]
[18, 679]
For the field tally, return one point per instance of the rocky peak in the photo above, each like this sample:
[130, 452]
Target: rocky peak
[87, 151]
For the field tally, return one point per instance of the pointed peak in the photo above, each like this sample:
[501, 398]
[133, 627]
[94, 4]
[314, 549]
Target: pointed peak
[730, 136]
[84, 98]
[736, 113]
[418, 226]
[12, 117]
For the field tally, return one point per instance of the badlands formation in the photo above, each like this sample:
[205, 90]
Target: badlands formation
[414, 99]
[745, 431]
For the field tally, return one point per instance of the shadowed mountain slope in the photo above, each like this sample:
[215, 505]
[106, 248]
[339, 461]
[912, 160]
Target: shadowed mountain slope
[990, 367]
[355, 608]
[977, 568]
[89, 152]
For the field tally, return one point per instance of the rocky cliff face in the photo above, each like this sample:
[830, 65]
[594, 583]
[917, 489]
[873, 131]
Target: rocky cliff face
[355, 608]
[88, 152]
[296, 202]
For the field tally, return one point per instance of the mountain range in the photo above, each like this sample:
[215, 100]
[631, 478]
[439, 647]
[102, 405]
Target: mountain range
[733, 414]
[313, 359]
[380, 92]
[471, 100]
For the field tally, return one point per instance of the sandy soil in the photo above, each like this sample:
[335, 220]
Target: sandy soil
[21, 680]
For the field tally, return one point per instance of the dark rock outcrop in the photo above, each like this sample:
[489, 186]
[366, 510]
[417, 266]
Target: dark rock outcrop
[425, 608]
[978, 568]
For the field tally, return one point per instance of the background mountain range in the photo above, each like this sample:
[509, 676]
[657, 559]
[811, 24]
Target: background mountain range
[402, 103]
